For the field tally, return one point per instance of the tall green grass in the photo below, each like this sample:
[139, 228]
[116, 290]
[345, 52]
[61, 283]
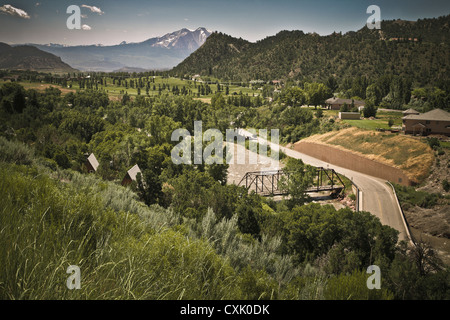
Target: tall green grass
[47, 226]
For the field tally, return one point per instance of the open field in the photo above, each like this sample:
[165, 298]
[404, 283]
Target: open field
[412, 156]
[380, 122]
[368, 124]
[41, 86]
[167, 85]
[116, 91]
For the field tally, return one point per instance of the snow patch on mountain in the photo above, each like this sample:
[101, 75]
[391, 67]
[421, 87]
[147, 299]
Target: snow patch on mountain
[183, 39]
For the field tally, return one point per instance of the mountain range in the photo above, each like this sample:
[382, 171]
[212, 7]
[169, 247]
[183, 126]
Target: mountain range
[30, 58]
[153, 54]
[414, 49]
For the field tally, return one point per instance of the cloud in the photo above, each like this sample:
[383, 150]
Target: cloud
[9, 9]
[93, 9]
[85, 27]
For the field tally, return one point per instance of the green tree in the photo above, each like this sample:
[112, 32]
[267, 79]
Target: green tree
[12, 98]
[332, 83]
[374, 93]
[247, 212]
[62, 159]
[125, 98]
[369, 109]
[298, 178]
[293, 97]
[316, 93]
[344, 108]
[161, 128]
[149, 187]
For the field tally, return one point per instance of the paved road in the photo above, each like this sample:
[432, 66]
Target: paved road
[377, 195]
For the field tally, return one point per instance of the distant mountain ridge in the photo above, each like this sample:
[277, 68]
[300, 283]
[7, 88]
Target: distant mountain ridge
[415, 49]
[30, 58]
[153, 54]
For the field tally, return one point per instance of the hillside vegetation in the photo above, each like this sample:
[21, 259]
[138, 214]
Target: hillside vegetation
[296, 55]
[179, 232]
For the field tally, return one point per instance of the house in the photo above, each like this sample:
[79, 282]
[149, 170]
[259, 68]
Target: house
[349, 116]
[336, 103]
[92, 163]
[436, 121]
[410, 112]
[14, 78]
[131, 176]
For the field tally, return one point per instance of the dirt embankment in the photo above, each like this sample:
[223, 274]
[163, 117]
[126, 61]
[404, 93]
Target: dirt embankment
[397, 158]
[433, 225]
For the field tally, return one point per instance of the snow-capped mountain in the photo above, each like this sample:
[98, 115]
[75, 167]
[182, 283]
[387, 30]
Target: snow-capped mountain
[156, 53]
[184, 39]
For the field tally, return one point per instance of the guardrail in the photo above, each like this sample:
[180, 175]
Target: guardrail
[358, 196]
[405, 222]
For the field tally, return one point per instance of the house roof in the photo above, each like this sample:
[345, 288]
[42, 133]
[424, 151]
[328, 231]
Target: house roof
[411, 111]
[419, 125]
[342, 101]
[93, 161]
[133, 172]
[433, 115]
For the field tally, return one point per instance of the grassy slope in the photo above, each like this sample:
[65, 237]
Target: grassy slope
[412, 156]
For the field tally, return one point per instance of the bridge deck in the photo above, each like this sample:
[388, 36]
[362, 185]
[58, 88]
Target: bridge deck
[266, 183]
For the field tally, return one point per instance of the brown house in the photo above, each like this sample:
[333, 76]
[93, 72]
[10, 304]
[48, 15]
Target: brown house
[92, 164]
[336, 103]
[131, 176]
[436, 121]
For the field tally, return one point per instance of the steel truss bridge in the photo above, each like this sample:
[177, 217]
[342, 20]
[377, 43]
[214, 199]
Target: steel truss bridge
[266, 183]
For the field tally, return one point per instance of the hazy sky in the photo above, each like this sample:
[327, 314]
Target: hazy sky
[112, 21]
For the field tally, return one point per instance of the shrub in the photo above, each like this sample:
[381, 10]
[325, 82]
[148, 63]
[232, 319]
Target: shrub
[433, 143]
[446, 185]
[353, 287]
[409, 196]
[15, 152]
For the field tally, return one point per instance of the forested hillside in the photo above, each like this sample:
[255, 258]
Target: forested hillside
[179, 232]
[414, 50]
[30, 58]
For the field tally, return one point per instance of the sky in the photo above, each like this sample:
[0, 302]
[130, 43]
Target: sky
[110, 22]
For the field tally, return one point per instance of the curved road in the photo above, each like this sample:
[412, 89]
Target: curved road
[377, 195]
